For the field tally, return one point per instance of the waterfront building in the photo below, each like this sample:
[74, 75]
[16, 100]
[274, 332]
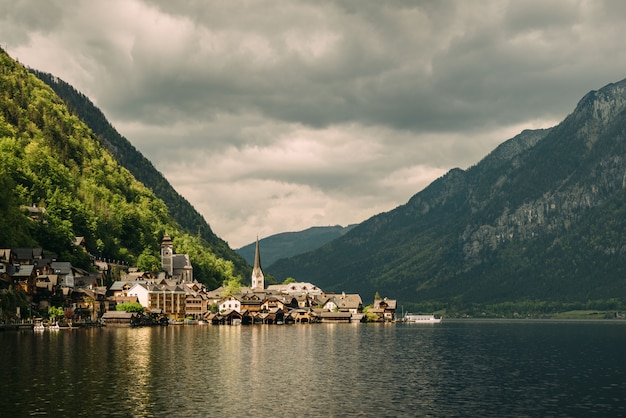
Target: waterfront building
[196, 300]
[344, 303]
[166, 297]
[385, 309]
[230, 303]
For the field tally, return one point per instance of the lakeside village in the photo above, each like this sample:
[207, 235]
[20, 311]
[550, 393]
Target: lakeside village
[77, 298]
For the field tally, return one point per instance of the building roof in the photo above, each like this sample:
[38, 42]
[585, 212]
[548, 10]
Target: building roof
[348, 301]
[390, 303]
[118, 315]
[22, 254]
[119, 284]
[296, 288]
[343, 315]
[61, 267]
[25, 270]
[181, 261]
[167, 240]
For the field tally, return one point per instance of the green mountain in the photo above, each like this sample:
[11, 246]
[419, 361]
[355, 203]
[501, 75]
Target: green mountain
[51, 159]
[540, 222]
[289, 244]
[143, 170]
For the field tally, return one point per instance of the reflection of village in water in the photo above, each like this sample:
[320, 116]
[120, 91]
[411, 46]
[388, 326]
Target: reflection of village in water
[173, 296]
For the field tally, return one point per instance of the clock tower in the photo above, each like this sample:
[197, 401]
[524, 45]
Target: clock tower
[167, 255]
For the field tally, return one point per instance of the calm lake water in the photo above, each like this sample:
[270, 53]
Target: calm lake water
[453, 369]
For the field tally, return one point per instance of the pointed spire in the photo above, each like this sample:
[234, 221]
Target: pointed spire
[257, 255]
[258, 281]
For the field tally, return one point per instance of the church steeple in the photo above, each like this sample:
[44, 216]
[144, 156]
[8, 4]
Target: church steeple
[167, 255]
[258, 281]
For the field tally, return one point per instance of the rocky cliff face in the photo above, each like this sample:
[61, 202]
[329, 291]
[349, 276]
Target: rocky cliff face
[542, 217]
[596, 128]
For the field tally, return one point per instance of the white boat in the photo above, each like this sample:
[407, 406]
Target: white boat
[421, 319]
[39, 326]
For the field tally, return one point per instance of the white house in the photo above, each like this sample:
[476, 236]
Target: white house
[230, 303]
[140, 290]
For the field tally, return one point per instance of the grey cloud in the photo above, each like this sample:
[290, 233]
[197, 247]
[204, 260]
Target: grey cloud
[449, 73]
[21, 18]
[424, 86]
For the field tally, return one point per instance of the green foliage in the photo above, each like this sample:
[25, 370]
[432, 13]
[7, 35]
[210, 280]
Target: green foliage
[49, 157]
[134, 307]
[55, 312]
[231, 286]
[289, 280]
[370, 316]
[206, 264]
[183, 213]
[149, 260]
[10, 300]
[590, 309]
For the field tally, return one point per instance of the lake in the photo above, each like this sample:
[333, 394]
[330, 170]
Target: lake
[463, 368]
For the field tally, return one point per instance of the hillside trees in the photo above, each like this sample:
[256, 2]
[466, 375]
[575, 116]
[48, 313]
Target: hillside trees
[183, 213]
[50, 158]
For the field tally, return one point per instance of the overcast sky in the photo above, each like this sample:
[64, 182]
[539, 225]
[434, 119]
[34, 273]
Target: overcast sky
[274, 116]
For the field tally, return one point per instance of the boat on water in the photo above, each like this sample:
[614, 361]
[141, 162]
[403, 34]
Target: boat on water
[38, 325]
[421, 319]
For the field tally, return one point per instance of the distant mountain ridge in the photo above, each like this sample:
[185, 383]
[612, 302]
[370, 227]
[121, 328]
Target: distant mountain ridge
[289, 244]
[541, 218]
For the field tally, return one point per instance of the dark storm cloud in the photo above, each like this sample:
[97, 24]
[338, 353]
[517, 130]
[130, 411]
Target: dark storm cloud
[323, 112]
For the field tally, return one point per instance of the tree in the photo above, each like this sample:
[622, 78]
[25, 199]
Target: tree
[232, 286]
[54, 312]
[129, 307]
[148, 261]
[68, 313]
[289, 280]
[10, 301]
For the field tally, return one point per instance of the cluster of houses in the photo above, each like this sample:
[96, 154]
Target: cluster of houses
[174, 294]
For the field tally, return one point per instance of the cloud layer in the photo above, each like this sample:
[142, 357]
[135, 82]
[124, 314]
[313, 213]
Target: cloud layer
[273, 116]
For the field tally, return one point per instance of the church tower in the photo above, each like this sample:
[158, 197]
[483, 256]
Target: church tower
[167, 255]
[258, 281]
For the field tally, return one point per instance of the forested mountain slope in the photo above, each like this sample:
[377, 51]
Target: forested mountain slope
[50, 158]
[539, 219]
[129, 157]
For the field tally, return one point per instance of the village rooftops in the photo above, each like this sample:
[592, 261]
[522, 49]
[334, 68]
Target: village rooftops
[296, 288]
